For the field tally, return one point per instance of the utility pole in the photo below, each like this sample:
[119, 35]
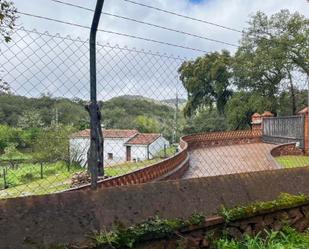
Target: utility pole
[95, 153]
[175, 120]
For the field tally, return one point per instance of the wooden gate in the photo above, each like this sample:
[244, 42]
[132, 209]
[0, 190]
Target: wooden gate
[284, 130]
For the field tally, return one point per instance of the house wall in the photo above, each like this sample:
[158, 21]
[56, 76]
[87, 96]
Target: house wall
[158, 145]
[79, 148]
[139, 152]
[115, 146]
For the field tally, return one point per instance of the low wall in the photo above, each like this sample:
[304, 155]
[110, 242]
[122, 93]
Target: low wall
[200, 236]
[176, 166]
[222, 138]
[70, 216]
[286, 150]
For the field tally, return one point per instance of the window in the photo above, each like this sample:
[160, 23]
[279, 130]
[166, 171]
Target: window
[110, 156]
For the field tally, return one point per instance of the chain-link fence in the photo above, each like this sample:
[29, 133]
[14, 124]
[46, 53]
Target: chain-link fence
[149, 101]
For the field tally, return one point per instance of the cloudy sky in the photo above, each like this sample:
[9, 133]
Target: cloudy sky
[231, 13]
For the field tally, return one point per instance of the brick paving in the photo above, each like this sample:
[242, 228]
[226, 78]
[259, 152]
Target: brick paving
[230, 159]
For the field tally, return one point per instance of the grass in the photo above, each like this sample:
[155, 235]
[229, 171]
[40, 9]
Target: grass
[26, 178]
[288, 238]
[283, 201]
[124, 168]
[293, 161]
[122, 237]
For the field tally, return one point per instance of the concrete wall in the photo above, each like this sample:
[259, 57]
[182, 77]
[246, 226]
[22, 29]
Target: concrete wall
[158, 145]
[68, 217]
[117, 148]
[140, 152]
[79, 148]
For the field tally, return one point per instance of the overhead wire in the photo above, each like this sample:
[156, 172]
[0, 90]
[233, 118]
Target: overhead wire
[148, 24]
[113, 32]
[183, 16]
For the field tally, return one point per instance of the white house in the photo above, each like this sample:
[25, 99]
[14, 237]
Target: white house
[119, 145]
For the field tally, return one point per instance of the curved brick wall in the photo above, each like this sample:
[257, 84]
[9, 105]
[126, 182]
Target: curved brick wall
[222, 138]
[175, 167]
[286, 149]
[168, 169]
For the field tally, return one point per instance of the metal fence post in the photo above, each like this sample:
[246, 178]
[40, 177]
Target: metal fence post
[95, 154]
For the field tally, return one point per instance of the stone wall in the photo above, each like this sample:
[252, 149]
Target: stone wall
[198, 237]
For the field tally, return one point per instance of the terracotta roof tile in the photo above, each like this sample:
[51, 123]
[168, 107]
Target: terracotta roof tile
[143, 139]
[108, 133]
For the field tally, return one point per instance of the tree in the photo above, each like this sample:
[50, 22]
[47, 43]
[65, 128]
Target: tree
[7, 19]
[241, 107]
[4, 88]
[146, 124]
[205, 121]
[271, 50]
[8, 135]
[207, 81]
[12, 155]
[52, 144]
[30, 119]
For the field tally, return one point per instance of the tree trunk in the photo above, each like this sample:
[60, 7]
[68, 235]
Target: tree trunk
[293, 99]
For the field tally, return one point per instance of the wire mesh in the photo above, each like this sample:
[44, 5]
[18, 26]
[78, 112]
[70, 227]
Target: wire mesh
[44, 127]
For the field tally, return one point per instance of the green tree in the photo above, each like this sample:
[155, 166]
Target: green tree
[4, 88]
[12, 154]
[7, 19]
[7, 24]
[52, 144]
[207, 81]
[8, 135]
[30, 119]
[271, 50]
[207, 120]
[146, 124]
[241, 107]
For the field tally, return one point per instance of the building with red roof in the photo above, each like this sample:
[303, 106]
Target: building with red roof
[119, 145]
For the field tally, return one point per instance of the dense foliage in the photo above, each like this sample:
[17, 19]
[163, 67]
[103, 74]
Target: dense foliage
[267, 72]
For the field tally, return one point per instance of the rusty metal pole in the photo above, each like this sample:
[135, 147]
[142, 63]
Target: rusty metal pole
[95, 153]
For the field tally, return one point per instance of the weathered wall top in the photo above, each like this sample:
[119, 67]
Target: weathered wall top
[68, 217]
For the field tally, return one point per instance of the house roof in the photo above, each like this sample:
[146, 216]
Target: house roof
[143, 139]
[108, 133]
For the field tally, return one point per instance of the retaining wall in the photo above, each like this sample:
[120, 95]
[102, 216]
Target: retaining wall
[69, 217]
[200, 236]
